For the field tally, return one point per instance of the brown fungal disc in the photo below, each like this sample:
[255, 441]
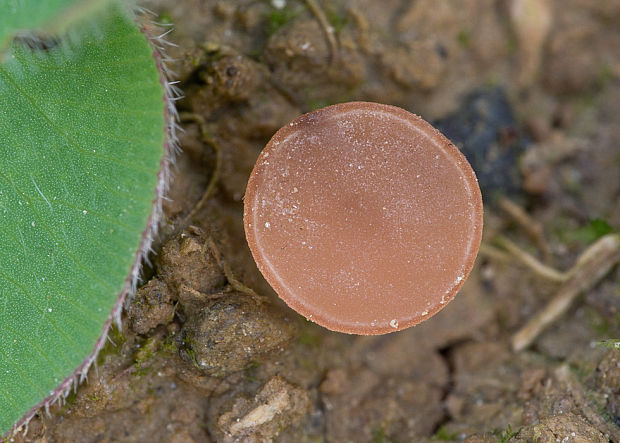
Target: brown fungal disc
[363, 217]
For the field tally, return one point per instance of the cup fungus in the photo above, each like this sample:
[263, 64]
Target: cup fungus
[363, 217]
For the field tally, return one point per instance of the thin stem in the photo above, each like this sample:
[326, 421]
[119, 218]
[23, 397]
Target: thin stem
[533, 228]
[532, 262]
[235, 283]
[328, 30]
[209, 139]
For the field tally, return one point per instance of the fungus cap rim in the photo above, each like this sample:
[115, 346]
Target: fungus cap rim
[430, 134]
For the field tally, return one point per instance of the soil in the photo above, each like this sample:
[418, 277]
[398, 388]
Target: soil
[529, 89]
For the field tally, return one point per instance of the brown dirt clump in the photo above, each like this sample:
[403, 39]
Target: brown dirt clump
[228, 333]
[276, 406]
[152, 306]
[186, 263]
[563, 427]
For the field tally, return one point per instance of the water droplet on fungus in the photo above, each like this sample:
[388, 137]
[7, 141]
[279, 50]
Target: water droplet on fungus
[369, 249]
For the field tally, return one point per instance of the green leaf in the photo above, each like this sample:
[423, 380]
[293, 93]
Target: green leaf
[610, 343]
[49, 15]
[595, 229]
[82, 128]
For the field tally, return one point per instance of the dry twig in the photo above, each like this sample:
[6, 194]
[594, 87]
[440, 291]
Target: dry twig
[533, 228]
[532, 262]
[591, 267]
